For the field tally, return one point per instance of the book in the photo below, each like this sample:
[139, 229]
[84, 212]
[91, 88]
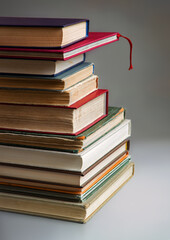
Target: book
[56, 119]
[77, 162]
[61, 177]
[98, 181]
[42, 32]
[67, 143]
[94, 40]
[67, 210]
[61, 81]
[38, 67]
[49, 97]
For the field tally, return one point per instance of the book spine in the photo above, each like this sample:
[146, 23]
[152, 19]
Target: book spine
[87, 28]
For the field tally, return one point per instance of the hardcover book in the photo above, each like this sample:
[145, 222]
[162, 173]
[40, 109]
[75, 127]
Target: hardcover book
[42, 32]
[94, 40]
[56, 119]
[38, 67]
[67, 210]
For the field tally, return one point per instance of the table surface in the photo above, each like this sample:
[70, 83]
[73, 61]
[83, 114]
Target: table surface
[140, 210]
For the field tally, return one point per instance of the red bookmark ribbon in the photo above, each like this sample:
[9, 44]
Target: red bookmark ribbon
[130, 42]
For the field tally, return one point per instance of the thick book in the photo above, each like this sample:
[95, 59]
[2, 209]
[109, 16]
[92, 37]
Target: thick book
[61, 81]
[61, 195]
[48, 96]
[64, 142]
[56, 119]
[94, 40]
[38, 67]
[77, 162]
[67, 210]
[42, 32]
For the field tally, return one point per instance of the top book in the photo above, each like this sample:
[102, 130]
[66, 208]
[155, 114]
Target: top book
[42, 32]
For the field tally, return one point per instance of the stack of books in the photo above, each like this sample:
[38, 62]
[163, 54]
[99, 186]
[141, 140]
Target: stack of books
[63, 151]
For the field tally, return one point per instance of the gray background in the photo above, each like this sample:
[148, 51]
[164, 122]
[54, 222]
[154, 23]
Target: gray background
[141, 209]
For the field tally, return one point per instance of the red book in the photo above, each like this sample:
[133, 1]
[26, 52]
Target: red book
[94, 40]
[70, 120]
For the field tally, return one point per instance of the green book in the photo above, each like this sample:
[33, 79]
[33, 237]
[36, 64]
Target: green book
[66, 143]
